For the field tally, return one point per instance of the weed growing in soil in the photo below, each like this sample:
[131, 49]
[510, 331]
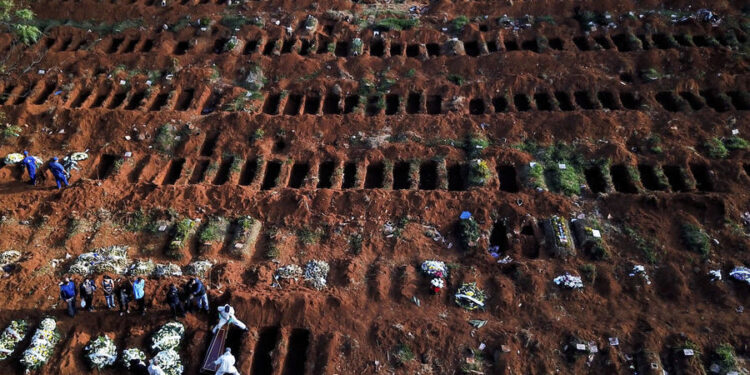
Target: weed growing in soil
[736, 143]
[588, 272]
[211, 232]
[137, 221]
[654, 143]
[475, 144]
[459, 23]
[456, 79]
[479, 173]
[309, 237]
[647, 247]
[715, 148]
[257, 134]
[696, 239]
[473, 364]
[726, 357]
[10, 132]
[181, 232]
[355, 243]
[396, 24]
[468, 233]
[19, 21]
[561, 161]
[650, 74]
[410, 73]
[403, 354]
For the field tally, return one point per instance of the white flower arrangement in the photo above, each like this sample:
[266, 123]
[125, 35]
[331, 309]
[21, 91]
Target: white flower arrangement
[168, 336]
[470, 297]
[11, 336]
[291, 271]
[112, 259]
[168, 361]
[199, 268]
[42, 345]
[740, 274]
[8, 257]
[437, 282]
[79, 156]
[434, 268]
[316, 273]
[141, 268]
[13, 158]
[131, 354]
[569, 281]
[101, 352]
[167, 270]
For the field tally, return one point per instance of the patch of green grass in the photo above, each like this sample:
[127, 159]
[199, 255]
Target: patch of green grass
[309, 237]
[137, 221]
[10, 131]
[726, 357]
[355, 243]
[647, 247]
[234, 21]
[211, 231]
[696, 239]
[650, 74]
[715, 148]
[396, 24]
[403, 354]
[654, 144]
[736, 143]
[588, 272]
[257, 134]
[459, 23]
[475, 144]
[479, 173]
[456, 79]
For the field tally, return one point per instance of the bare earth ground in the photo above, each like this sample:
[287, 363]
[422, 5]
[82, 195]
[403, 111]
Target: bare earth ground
[339, 128]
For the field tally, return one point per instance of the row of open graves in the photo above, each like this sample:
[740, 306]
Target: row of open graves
[265, 173]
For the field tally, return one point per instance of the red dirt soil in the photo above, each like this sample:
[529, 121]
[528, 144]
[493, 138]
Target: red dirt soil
[367, 312]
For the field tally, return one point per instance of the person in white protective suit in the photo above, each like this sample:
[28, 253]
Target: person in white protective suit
[226, 364]
[153, 369]
[226, 315]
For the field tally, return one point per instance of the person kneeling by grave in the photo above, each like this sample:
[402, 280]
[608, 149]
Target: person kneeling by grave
[226, 364]
[226, 315]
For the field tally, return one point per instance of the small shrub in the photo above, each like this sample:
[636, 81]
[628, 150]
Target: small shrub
[479, 173]
[456, 79]
[736, 143]
[459, 23]
[696, 239]
[715, 148]
[475, 144]
[403, 354]
[355, 243]
[726, 357]
[137, 221]
[468, 233]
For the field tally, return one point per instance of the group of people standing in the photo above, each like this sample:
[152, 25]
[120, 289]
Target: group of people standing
[124, 293]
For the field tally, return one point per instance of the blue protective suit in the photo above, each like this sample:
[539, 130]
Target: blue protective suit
[59, 172]
[30, 164]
